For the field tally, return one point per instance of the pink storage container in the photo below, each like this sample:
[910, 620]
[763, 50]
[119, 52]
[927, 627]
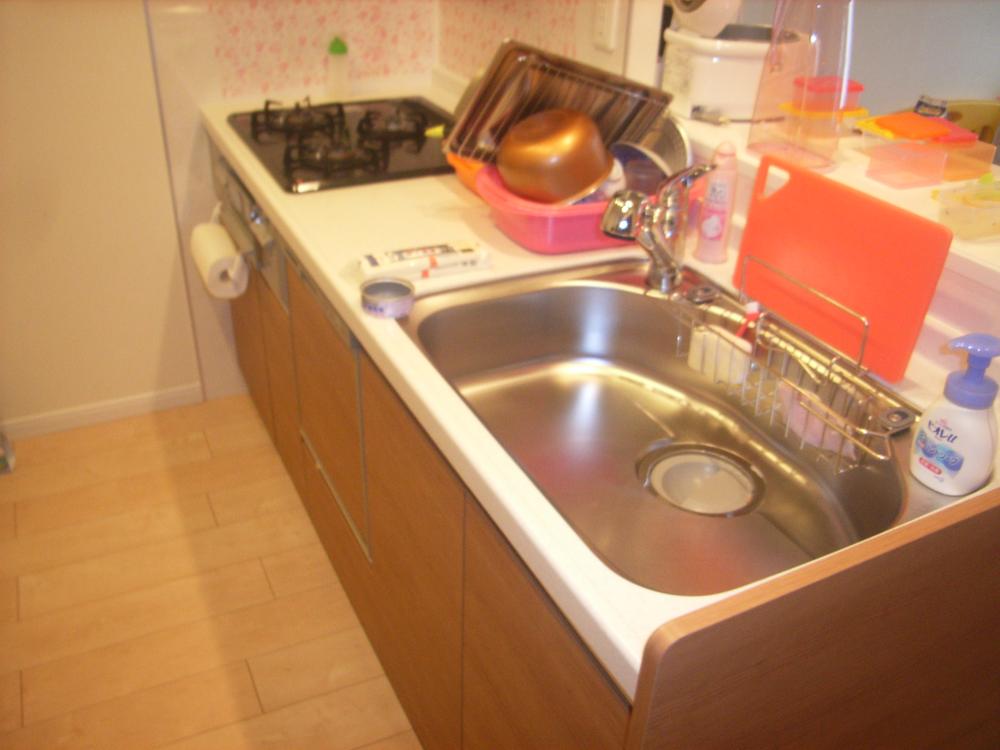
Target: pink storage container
[954, 153]
[957, 134]
[540, 227]
[822, 93]
[906, 164]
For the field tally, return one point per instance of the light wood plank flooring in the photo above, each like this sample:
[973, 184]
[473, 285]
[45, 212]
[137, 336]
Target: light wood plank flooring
[161, 586]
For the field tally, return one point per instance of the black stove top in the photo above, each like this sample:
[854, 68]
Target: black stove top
[308, 147]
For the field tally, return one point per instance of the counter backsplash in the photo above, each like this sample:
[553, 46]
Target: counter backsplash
[471, 29]
[265, 47]
[270, 46]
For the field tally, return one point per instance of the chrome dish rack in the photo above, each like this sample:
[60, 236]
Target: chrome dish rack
[523, 80]
[785, 379]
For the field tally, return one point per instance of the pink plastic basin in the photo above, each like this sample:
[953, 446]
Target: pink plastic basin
[540, 227]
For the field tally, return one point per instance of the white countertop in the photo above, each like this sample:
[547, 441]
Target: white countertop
[328, 231]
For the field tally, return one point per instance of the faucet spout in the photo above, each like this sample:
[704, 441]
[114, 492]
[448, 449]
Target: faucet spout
[657, 224]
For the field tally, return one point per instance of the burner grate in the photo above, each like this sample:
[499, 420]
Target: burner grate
[280, 123]
[329, 157]
[309, 146]
[400, 125]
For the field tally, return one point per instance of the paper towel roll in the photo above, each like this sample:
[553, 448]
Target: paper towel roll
[221, 267]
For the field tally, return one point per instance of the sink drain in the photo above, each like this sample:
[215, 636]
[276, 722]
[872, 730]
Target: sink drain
[702, 479]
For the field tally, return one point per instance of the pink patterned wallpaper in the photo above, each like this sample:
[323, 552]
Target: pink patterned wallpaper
[268, 46]
[472, 29]
[264, 47]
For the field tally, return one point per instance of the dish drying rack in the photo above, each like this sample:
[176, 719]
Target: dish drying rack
[523, 80]
[816, 398]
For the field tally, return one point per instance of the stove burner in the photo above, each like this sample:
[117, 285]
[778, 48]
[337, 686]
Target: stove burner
[402, 125]
[321, 155]
[310, 147]
[301, 120]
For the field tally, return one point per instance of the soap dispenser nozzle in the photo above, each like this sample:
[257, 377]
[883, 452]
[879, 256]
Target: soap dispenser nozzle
[971, 387]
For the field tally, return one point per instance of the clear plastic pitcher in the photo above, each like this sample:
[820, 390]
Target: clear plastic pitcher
[806, 96]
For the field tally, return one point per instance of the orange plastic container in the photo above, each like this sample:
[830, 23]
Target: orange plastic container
[912, 126]
[465, 169]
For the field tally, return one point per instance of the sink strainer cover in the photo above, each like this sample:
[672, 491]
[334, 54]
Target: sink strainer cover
[702, 480]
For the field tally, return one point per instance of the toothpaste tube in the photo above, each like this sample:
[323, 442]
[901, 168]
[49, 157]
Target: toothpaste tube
[424, 262]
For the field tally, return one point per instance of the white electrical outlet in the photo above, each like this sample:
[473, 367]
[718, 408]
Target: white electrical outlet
[605, 31]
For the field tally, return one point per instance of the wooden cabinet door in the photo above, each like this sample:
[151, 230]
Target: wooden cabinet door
[245, 311]
[416, 504]
[327, 377]
[529, 681]
[277, 334]
[349, 559]
[889, 643]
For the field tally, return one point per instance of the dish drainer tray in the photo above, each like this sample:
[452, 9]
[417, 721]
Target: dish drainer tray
[791, 383]
[522, 80]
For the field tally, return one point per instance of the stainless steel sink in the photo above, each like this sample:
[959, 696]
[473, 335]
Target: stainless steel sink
[679, 481]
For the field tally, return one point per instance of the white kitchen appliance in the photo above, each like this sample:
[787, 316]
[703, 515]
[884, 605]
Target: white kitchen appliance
[705, 18]
[712, 64]
[719, 76]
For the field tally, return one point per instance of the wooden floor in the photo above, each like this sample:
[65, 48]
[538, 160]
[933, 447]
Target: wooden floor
[161, 586]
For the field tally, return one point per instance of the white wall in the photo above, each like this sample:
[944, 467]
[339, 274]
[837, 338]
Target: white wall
[92, 301]
[183, 38]
[905, 48]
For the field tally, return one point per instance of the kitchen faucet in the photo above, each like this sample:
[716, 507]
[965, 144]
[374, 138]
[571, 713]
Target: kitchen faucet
[657, 223]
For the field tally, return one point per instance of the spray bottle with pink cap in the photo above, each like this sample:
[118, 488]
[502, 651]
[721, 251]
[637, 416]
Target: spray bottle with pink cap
[717, 206]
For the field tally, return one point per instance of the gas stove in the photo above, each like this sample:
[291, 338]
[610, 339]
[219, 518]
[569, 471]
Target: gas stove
[308, 147]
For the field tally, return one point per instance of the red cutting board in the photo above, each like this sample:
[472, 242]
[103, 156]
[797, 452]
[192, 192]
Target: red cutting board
[871, 256]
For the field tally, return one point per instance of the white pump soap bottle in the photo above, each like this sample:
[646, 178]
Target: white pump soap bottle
[957, 437]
